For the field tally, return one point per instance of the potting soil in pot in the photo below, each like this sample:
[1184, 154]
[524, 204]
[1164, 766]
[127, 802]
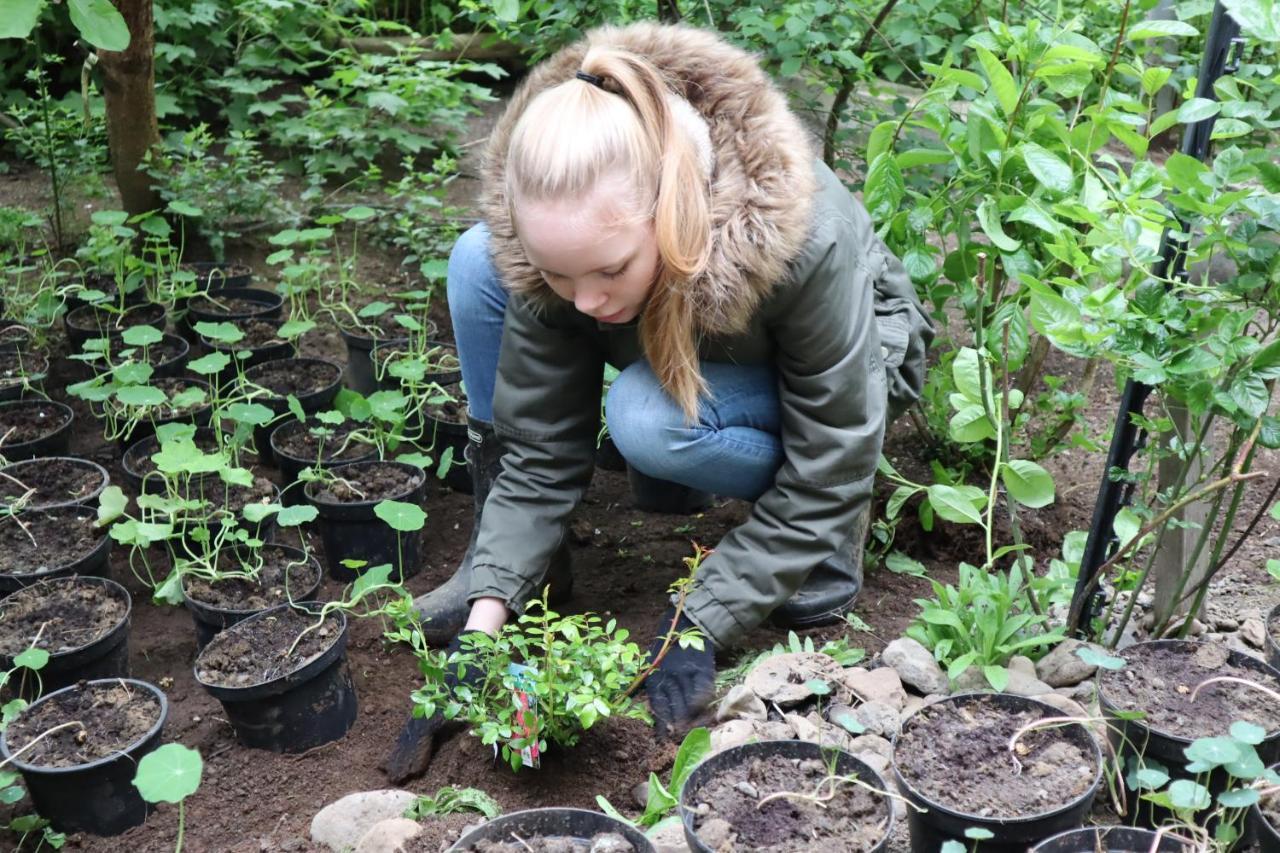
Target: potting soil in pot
[730, 816]
[604, 842]
[297, 441]
[958, 755]
[215, 492]
[49, 481]
[450, 411]
[240, 658]
[228, 306]
[114, 716]
[172, 386]
[57, 616]
[142, 464]
[20, 424]
[268, 590]
[369, 483]
[50, 540]
[17, 367]
[293, 377]
[1158, 680]
[258, 333]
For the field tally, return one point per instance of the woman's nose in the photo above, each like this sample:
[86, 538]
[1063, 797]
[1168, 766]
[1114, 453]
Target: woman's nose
[589, 300]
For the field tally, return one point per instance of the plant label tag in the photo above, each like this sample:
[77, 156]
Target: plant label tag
[526, 712]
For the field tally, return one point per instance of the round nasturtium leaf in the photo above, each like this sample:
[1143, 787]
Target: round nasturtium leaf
[170, 774]
[404, 517]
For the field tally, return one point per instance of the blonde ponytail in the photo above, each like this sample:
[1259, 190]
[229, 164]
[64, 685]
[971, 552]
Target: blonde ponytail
[573, 134]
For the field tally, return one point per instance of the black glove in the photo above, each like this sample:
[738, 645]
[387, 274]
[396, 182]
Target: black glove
[416, 743]
[685, 680]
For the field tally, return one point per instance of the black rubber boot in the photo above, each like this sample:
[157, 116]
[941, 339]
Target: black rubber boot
[831, 589]
[444, 610]
[653, 495]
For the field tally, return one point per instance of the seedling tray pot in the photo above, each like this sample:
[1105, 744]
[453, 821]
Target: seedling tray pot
[1111, 839]
[95, 563]
[292, 466]
[940, 823]
[19, 470]
[210, 620]
[310, 401]
[313, 705]
[54, 442]
[105, 657]
[579, 824]
[352, 531]
[721, 762]
[99, 797]
[1265, 833]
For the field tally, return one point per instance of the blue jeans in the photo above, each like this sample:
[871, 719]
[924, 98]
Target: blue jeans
[733, 449]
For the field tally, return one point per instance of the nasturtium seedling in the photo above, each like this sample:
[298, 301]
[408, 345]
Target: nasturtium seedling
[142, 336]
[1096, 657]
[169, 774]
[401, 516]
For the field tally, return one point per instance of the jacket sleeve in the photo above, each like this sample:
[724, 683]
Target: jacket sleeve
[904, 326]
[546, 410]
[832, 394]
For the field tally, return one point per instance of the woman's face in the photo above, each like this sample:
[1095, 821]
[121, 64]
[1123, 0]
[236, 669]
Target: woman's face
[593, 251]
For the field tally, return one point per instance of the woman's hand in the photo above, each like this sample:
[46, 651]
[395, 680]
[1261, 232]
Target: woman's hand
[488, 615]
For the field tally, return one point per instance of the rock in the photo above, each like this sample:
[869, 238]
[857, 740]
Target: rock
[878, 763]
[741, 704]
[804, 730]
[1068, 707]
[731, 734]
[341, 824]
[1022, 678]
[640, 794]
[878, 719]
[972, 680]
[668, 837]
[748, 790]
[1226, 624]
[1253, 632]
[878, 685]
[915, 666]
[1063, 667]
[784, 679]
[610, 842]
[389, 836]
[914, 703]
[715, 833]
[871, 744]
[1084, 693]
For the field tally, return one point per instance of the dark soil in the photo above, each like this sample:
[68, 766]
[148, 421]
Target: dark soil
[52, 539]
[234, 498]
[102, 321]
[16, 336]
[294, 376]
[29, 421]
[450, 411]
[172, 386]
[295, 440]
[58, 616]
[281, 578]
[258, 334]
[958, 756]
[1159, 680]
[257, 651]
[54, 481]
[375, 482]
[168, 350]
[115, 716]
[439, 833]
[735, 812]
[229, 307]
[604, 842]
[208, 278]
[19, 366]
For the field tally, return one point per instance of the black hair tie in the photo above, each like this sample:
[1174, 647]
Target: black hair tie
[593, 79]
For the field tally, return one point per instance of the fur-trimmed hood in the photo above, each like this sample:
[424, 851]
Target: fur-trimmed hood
[762, 184]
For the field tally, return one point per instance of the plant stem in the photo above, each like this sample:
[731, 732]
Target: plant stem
[181, 827]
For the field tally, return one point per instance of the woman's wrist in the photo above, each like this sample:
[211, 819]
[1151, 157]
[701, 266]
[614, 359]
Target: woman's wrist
[488, 615]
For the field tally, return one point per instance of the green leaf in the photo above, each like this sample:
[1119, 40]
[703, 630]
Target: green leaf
[818, 687]
[900, 564]
[1002, 83]
[1198, 109]
[1095, 656]
[1247, 732]
[1185, 794]
[207, 365]
[989, 219]
[400, 516]
[978, 833]
[1239, 798]
[1161, 29]
[970, 425]
[19, 17]
[1251, 395]
[696, 744]
[1028, 483]
[1212, 752]
[32, 658]
[506, 11]
[958, 504]
[292, 516]
[951, 846]
[99, 23]
[1150, 778]
[141, 336]
[1154, 78]
[997, 677]
[1259, 18]
[359, 213]
[1051, 172]
[183, 208]
[111, 505]
[141, 395]
[884, 188]
[169, 774]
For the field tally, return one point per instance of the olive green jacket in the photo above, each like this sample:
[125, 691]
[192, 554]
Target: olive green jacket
[797, 279]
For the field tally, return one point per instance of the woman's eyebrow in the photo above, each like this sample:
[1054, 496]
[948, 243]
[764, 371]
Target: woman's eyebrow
[615, 265]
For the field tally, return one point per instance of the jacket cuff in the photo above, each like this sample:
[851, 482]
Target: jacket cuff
[490, 581]
[713, 617]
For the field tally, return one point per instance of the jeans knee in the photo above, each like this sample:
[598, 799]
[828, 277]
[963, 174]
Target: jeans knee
[471, 276]
[643, 420]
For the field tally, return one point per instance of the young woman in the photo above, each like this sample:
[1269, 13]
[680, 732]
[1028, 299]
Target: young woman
[651, 202]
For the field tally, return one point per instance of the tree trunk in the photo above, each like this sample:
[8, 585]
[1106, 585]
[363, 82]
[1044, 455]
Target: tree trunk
[669, 11]
[129, 88]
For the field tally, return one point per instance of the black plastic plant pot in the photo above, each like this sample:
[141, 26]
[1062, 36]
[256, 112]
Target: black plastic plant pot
[786, 750]
[108, 284]
[174, 365]
[352, 531]
[933, 823]
[14, 336]
[212, 490]
[201, 416]
[75, 482]
[608, 456]
[1266, 833]
[210, 620]
[99, 797]
[90, 321]
[1273, 637]
[663, 496]
[1138, 737]
[106, 656]
[312, 705]
[94, 562]
[442, 433]
[392, 383]
[311, 401]
[218, 275]
[361, 375]
[271, 351]
[578, 824]
[21, 372]
[292, 466]
[49, 433]
[133, 459]
[1112, 839]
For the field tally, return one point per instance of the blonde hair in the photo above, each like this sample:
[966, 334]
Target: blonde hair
[574, 134]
